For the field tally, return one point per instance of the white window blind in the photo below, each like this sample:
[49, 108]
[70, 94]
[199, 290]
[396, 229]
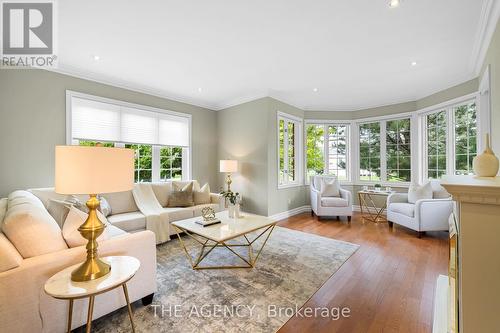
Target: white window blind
[100, 121]
[93, 120]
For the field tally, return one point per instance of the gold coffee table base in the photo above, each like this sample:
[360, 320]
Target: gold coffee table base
[209, 244]
[370, 211]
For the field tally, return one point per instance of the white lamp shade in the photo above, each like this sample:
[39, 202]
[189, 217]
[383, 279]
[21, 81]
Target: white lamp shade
[93, 170]
[228, 166]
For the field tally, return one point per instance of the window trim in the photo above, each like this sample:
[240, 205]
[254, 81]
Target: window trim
[299, 149]
[187, 163]
[349, 140]
[450, 132]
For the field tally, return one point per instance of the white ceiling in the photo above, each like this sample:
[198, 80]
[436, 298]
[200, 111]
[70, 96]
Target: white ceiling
[357, 53]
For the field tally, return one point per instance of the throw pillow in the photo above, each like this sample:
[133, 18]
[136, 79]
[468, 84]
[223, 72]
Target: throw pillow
[10, 258]
[181, 196]
[30, 227]
[73, 221]
[330, 189]
[58, 210]
[104, 206]
[75, 202]
[202, 196]
[438, 191]
[416, 192]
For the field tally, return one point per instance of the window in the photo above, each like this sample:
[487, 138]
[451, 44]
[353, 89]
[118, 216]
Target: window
[143, 163]
[332, 159]
[369, 151]
[170, 163]
[398, 150]
[465, 137]
[450, 140]
[436, 144]
[161, 139]
[289, 149]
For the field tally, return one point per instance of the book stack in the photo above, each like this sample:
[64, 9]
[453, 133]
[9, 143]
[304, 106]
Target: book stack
[206, 223]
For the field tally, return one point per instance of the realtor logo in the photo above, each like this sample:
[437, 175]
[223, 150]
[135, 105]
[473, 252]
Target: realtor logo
[28, 34]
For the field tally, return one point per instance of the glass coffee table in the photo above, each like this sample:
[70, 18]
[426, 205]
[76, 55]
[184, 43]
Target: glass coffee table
[369, 210]
[224, 235]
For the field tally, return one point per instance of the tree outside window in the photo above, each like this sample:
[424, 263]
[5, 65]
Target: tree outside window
[315, 136]
[143, 162]
[170, 163]
[398, 150]
[465, 138]
[369, 151]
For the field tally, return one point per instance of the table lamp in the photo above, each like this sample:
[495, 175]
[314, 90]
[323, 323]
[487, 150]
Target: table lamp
[228, 166]
[93, 170]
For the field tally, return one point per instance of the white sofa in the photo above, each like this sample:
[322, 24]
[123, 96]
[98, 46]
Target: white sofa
[24, 269]
[124, 211]
[33, 252]
[329, 206]
[423, 215]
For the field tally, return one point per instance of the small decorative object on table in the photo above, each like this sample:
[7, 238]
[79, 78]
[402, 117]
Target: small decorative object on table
[486, 164]
[377, 187]
[234, 201]
[208, 215]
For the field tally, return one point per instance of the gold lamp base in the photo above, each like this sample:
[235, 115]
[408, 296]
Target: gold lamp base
[93, 268]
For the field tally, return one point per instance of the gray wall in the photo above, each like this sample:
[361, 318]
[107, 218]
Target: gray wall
[242, 135]
[33, 116]
[493, 59]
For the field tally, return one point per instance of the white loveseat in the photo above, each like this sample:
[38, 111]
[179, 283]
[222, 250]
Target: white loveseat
[423, 215]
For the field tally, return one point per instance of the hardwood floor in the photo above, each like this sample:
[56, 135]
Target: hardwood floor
[388, 284]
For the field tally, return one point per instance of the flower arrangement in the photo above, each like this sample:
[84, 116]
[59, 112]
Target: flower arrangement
[231, 196]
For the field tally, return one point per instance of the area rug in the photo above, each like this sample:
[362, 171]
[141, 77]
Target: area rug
[291, 268]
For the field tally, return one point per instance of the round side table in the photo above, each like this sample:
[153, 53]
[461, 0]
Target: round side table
[60, 286]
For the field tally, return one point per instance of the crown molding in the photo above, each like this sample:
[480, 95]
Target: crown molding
[490, 13]
[75, 72]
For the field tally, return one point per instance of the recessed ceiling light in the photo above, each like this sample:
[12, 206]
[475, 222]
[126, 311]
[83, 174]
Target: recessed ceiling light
[394, 3]
[199, 89]
[96, 58]
[315, 89]
[414, 63]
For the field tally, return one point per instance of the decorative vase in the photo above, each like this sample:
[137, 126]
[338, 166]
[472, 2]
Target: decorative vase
[486, 164]
[231, 210]
[237, 211]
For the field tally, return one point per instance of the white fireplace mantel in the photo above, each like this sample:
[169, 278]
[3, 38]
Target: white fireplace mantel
[473, 189]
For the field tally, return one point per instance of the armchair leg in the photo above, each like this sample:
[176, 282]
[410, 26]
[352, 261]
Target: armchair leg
[391, 224]
[338, 218]
[312, 212]
[349, 219]
[420, 234]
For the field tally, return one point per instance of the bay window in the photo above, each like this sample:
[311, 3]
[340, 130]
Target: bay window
[289, 150]
[369, 152]
[450, 140]
[327, 150]
[160, 138]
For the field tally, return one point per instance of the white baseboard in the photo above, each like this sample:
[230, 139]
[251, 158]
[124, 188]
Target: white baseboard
[289, 213]
[304, 209]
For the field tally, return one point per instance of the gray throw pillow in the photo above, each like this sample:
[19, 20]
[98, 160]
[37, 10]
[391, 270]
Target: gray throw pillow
[181, 196]
[59, 210]
[104, 208]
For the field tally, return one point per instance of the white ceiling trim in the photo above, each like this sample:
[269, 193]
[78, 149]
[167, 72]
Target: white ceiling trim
[114, 82]
[490, 14]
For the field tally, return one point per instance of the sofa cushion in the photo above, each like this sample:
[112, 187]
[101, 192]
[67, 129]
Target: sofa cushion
[73, 221]
[330, 188]
[417, 192]
[162, 191]
[58, 210]
[334, 202]
[121, 202]
[201, 196]
[46, 194]
[197, 209]
[114, 231]
[178, 213]
[3, 210]
[407, 209]
[181, 195]
[438, 191]
[30, 227]
[128, 221]
[10, 257]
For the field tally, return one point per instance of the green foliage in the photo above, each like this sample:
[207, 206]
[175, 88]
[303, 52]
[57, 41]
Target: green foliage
[315, 153]
[231, 196]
